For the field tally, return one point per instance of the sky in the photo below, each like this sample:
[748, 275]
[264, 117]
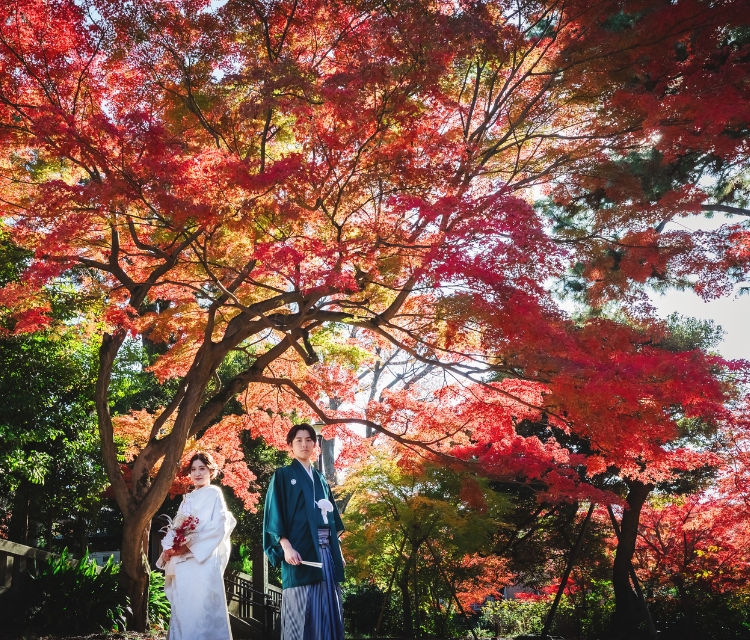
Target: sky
[732, 312]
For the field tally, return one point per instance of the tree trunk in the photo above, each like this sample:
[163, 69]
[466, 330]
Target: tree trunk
[688, 607]
[18, 527]
[628, 615]
[569, 567]
[403, 584]
[652, 633]
[327, 454]
[417, 621]
[135, 570]
[140, 496]
[328, 449]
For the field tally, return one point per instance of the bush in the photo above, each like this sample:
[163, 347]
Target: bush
[159, 609]
[362, 604]
[514, 617]
[73, 599]
[715, 616]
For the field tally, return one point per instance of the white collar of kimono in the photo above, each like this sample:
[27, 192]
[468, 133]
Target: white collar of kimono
[324, 505]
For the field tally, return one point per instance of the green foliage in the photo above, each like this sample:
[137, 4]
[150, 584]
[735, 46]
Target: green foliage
[687, 334]
[413, 530]
[13, 260]
[74, 598]
[362, 605]
[581, 614]
[159, 609]
[706, 615]
[514, 617]
[49, 446]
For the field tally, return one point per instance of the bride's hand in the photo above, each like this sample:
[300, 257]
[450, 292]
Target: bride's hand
[170, 553]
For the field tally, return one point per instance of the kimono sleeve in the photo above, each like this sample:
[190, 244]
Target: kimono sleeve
[274, 527]
[215, 532]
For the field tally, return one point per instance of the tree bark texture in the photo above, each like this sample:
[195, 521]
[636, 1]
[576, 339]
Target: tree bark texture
[650, 627]
[328, 449]
[135, 571]
[628, 616]
[327, 453]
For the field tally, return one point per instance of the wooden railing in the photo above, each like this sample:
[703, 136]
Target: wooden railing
[253, 601]
[14, 558]
[261, 611]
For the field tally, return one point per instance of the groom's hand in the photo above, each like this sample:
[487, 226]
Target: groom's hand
[291, 556]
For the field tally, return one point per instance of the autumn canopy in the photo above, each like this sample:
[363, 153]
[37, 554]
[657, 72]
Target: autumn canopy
[301, 192]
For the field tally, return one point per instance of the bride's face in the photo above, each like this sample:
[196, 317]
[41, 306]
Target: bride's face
[200, 474]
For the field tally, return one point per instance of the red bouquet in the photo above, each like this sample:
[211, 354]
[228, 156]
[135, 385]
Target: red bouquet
[178, 531]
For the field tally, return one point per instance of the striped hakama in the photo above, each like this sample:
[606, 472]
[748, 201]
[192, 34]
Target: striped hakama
[314, 611]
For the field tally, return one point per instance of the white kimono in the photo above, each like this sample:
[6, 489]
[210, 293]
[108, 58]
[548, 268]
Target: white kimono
[195, 581]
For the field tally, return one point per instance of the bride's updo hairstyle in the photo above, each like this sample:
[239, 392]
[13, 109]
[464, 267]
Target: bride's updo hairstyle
[206, 459]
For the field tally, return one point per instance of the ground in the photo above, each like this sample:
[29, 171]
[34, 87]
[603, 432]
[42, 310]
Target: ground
[128, 635]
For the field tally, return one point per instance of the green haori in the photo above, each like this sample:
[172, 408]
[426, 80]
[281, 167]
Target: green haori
[291, 513]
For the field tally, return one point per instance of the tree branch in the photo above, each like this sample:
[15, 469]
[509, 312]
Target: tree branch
[725, 208]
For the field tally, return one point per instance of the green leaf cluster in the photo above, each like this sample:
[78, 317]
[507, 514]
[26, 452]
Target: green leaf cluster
[72, 598]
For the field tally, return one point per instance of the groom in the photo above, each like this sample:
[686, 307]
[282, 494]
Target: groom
[300, 531]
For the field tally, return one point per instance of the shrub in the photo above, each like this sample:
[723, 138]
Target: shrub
[362, 604]
[62, 597]
[714, 616]
[514, 617]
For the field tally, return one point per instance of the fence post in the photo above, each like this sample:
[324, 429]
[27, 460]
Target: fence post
[5, 575]
[19, 569]
[260, 582]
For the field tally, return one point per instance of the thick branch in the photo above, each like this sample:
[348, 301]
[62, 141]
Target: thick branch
[725, 208]
[107, 353]
[254, 374]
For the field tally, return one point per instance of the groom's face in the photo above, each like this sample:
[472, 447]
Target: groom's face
[303, 446]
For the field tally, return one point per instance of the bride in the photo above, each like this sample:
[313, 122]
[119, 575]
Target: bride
[195, 570]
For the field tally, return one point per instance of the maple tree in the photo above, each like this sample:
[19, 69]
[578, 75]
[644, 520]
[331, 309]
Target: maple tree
[427, 533]
[692, 540]
[696, 545]
[230, 182]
